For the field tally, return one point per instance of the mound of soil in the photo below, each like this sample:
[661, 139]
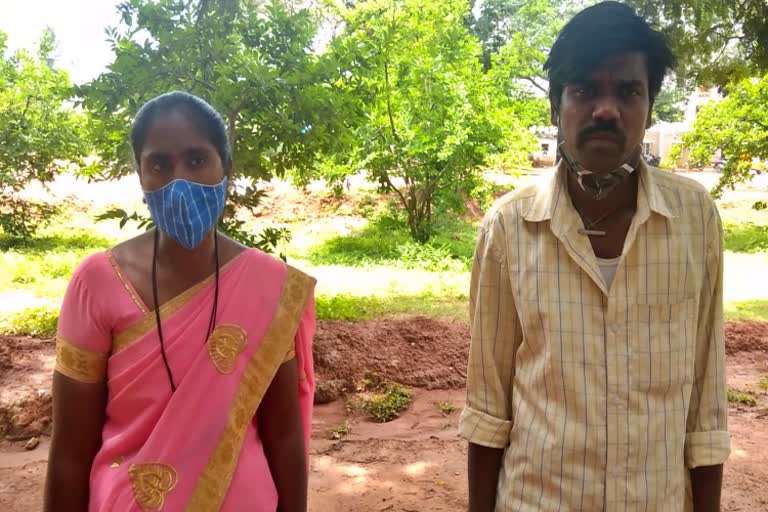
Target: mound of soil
[25, 386]
[747, 337]
[416, 351]
[289, 204]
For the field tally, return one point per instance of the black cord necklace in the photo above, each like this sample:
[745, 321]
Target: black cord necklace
[157, 305]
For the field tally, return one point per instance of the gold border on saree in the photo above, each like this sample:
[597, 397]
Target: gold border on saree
[80, 364]
[213, 484]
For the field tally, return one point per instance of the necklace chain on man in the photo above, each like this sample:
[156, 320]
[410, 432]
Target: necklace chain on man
[590, 225]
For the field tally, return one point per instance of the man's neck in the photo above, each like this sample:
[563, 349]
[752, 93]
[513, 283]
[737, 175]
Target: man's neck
[623, 196]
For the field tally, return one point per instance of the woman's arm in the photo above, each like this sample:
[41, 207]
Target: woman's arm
[78, 418]
[281, 432]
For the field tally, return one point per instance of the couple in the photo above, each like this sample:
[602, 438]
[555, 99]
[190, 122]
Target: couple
[596, 376]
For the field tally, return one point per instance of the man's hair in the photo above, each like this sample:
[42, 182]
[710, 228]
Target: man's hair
[595, 34]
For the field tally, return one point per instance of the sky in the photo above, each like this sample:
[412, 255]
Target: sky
[79, 26]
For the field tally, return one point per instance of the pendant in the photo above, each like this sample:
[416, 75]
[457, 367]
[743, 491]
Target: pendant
[592, 232]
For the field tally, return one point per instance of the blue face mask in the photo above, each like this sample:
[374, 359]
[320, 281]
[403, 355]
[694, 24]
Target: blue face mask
[187, 211]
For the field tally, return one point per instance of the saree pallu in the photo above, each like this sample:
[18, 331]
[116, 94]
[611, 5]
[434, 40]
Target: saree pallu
[198, 449]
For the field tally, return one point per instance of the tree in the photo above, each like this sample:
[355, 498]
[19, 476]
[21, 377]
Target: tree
[669, 105]
[534, 23]
[253, 61]
[717, 41]
[738, 126]
[431, 115]
[40, 133]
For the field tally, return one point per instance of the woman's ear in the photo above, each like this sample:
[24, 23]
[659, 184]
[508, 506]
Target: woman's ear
[137, 170]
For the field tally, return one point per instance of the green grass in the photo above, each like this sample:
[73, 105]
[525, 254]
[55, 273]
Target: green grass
[751, 310]
[365, 269]
[361, 307]
[741, 397]
[34, 321]
[385, 241]
[44, 265]
[746, 237]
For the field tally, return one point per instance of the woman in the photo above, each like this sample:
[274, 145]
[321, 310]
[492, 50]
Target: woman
[203, 403]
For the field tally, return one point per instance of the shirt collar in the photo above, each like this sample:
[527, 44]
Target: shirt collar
[548, 201]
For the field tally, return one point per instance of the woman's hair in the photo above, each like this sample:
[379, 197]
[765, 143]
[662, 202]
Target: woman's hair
[595, 34]
[200, 111]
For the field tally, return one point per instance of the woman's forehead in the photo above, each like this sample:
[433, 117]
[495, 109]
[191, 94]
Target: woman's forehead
[175, 132]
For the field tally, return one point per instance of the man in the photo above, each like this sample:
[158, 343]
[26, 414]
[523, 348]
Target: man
[597, 369]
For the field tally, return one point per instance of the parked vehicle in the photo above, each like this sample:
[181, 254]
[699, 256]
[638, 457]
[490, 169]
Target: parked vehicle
[719, 164]
[652, 160]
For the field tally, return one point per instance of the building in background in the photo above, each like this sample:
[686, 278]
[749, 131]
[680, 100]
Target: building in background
[662, 137]
[546, 154]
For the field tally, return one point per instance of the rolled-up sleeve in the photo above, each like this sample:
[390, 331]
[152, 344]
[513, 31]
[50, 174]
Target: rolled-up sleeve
[707, 442]
[487, 418]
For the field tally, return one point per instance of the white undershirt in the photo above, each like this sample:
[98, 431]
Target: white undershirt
[608, 269]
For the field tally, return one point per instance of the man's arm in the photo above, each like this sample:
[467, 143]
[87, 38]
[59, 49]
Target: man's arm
[706, 482]
[487, 419]
[483, 469]
[707, 443]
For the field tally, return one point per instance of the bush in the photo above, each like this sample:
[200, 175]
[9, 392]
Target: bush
[739, 397]
[388, 404]
[36, 321]
[446, 407]
[746, 237]
[338, 432]
[22, 219]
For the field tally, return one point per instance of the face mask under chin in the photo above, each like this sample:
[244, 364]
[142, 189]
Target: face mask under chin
[597, 185]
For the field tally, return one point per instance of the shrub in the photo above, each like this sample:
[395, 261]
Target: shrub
[446, 407]
[338, 432]
[388, 404]
[740, 397]
[34, 321]
[22, 219]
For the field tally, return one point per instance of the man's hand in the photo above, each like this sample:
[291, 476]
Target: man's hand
[484, 467]
[706, 483]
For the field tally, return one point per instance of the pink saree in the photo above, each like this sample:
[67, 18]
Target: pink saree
[197, 449]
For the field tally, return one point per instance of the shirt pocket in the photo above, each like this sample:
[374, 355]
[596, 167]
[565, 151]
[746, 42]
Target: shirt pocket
[662, 342]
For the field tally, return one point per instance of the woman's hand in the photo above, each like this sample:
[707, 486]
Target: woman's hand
[281, 432]
[79, 410]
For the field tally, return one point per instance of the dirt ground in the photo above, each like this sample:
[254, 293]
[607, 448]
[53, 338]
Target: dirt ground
[413, 464]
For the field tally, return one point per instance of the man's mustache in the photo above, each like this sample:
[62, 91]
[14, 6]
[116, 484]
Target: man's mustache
[603, 129]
